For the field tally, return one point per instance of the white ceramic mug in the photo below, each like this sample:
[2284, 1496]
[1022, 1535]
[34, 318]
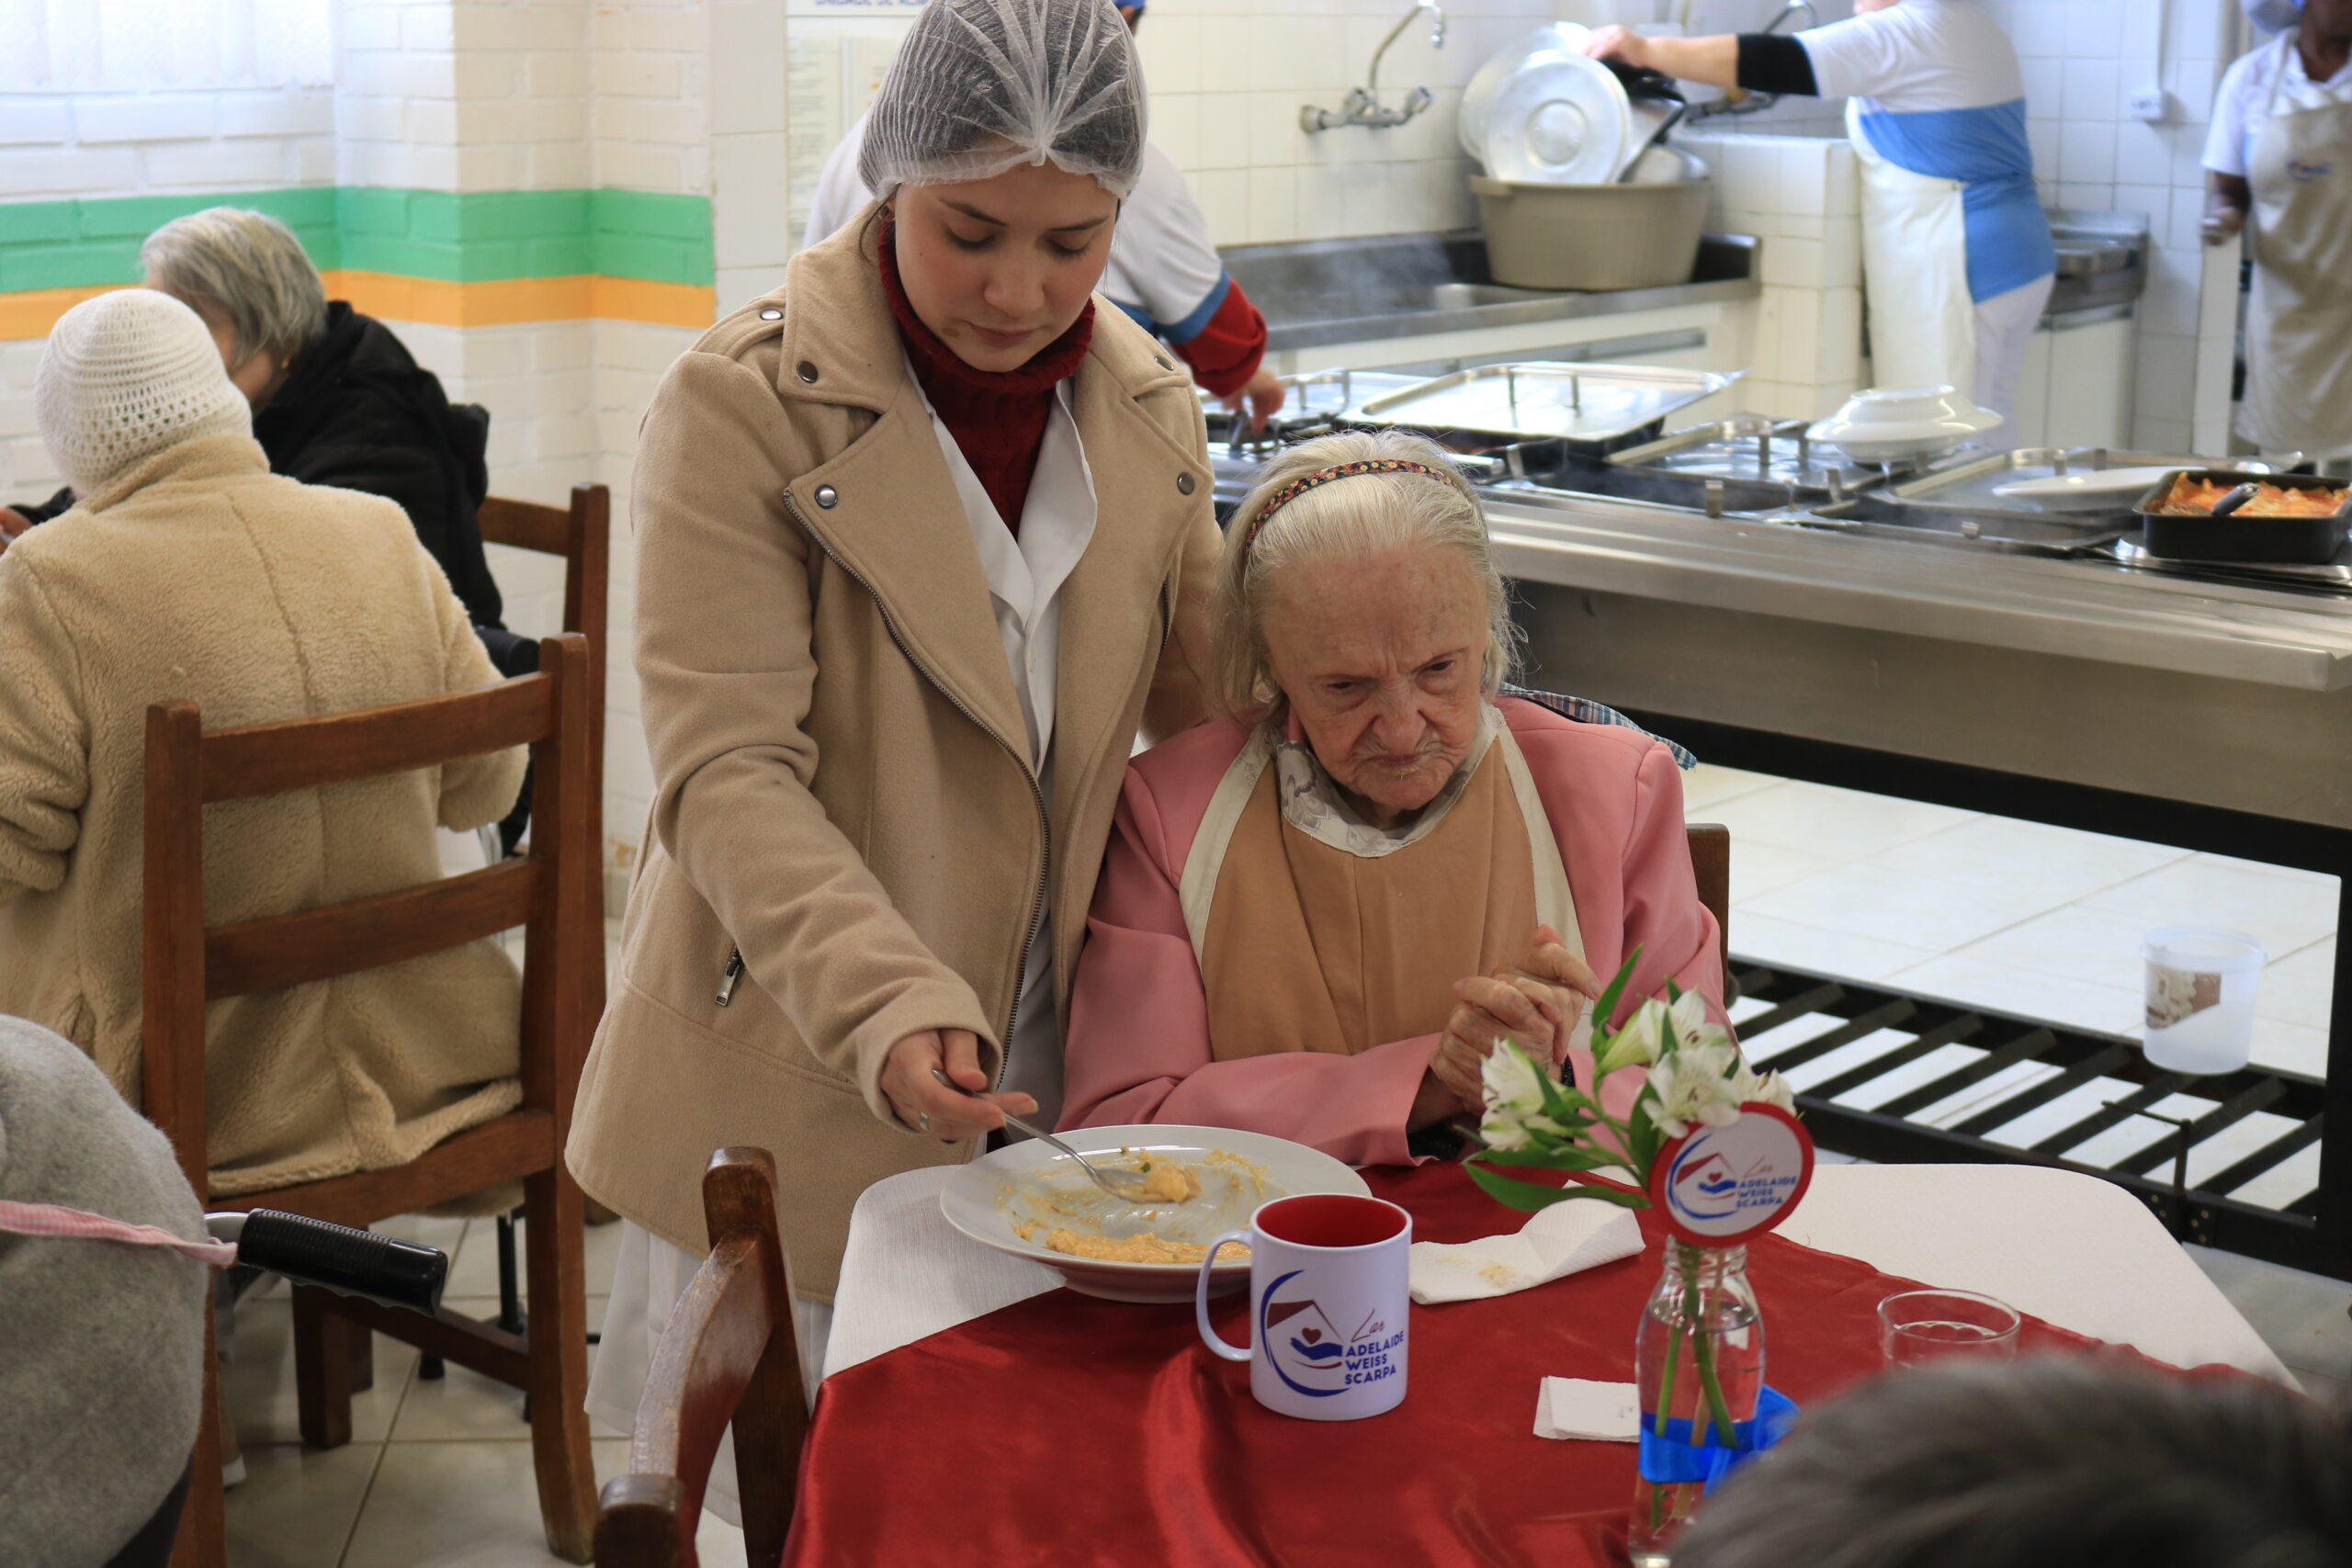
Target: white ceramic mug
[1327, 1298]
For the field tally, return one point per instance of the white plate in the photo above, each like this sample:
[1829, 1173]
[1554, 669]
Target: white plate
[2083, 487]
[987, 1197]
[1562, 120]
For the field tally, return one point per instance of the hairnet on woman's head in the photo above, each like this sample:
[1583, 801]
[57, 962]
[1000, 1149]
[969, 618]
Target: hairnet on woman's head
[980, 86]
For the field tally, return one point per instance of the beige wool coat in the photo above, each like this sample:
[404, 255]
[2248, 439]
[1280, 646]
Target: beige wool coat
[199, 575]
[842, 784]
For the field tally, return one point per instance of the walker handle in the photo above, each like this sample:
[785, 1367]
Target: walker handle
[350, 1262]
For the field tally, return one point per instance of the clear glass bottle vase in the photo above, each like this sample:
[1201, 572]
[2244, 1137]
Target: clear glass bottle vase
[1699, 1358]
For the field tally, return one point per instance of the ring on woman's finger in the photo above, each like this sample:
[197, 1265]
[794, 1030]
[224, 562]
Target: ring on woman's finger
[923, 1124]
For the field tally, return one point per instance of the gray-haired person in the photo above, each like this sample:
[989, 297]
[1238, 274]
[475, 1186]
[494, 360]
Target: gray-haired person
[101, 1345]
[2049, 1462]
[337, 399]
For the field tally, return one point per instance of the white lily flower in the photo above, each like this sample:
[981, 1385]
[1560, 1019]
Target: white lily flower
[1513, 1088]
[1638, 1043]
[1691, 1025]
[1694, 1085]
[1769, 1088]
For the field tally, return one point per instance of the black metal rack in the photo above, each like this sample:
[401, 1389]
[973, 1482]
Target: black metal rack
[1844, 1116]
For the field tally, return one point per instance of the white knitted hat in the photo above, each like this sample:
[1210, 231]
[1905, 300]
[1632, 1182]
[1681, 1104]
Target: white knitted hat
[126, 375]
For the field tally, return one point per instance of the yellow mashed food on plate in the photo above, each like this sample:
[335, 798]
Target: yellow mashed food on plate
[1144, 1248]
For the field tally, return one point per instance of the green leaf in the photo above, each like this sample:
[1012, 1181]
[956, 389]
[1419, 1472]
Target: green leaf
[1530, 1197]
[1643, 1138]
[1606, 1008]
[1553, 1159]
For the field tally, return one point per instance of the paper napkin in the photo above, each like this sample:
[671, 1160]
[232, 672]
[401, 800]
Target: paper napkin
[1560, 1240]
[1578, 1407]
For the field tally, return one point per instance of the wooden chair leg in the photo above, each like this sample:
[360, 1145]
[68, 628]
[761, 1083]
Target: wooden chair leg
[556, 1278]
[322, 1370]
[203, 1538]
[363, 1356]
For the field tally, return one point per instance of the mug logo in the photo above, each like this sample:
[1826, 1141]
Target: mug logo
[1312, 1355]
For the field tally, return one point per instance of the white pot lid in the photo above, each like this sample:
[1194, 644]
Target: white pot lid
[1478, 97]
[1562, 119]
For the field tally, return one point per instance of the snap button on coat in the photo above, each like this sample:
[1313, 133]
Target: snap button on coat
[770, 314]
[826, 496]
[807, 371]
[1183, 484]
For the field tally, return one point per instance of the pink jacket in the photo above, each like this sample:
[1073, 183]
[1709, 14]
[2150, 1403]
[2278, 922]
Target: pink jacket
[1138, 1047]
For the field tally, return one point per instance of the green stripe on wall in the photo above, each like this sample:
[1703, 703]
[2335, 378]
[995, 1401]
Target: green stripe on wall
[450, 236]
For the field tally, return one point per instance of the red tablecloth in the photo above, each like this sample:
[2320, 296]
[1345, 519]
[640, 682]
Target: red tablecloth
[1065, 1430]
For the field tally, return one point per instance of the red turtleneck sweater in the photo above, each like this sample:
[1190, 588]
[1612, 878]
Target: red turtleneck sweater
[998, 418]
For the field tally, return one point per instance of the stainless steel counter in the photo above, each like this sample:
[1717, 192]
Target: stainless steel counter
[1335, 291]
[2080, 671]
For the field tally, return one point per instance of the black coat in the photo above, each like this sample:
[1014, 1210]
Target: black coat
[359, 412]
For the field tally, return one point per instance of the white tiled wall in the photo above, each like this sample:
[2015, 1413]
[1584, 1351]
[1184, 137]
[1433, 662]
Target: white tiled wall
[1800, 195]
[57, 145]
[1228, 78]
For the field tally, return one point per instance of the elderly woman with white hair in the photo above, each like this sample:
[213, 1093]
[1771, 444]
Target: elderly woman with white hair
[187, 571]
[1319, 913]
[336, 398]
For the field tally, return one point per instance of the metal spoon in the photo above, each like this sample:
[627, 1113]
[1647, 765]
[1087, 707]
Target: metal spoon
[1124, 1185]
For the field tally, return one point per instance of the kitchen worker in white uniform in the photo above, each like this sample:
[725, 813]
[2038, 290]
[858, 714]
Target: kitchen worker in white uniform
[1956, 250]
[2279, 160]
[1164, 272]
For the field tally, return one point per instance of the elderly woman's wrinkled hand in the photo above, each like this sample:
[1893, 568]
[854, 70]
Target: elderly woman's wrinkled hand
[1537, 1001]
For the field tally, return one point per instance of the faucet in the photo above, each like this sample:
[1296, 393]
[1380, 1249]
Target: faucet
[1739, 100]
[1362, 106]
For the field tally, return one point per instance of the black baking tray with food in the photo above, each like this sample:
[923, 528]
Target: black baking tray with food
[2198, 535]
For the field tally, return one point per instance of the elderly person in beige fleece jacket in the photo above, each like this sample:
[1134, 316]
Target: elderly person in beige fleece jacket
[189, 571]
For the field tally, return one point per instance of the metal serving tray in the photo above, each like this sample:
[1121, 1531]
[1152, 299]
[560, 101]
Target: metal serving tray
[1315, 400]
[1763, 463]
[1588, 405]
[2021, 533]
[1968, 484]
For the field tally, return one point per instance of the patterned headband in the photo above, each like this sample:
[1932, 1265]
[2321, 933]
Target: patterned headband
[1305, 483]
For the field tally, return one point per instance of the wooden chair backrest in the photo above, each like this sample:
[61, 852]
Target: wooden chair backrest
[581, 534]
[728, 1355]
[554, 892]
[1711, 862]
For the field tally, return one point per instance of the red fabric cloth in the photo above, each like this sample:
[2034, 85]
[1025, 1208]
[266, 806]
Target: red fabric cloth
[1066, 1429]
[998, 418]
[1224, 354]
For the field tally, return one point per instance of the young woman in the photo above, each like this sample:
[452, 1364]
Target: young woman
[921, 540]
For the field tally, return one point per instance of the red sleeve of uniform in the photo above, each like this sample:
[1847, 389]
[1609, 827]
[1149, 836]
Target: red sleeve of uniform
[1224, 354]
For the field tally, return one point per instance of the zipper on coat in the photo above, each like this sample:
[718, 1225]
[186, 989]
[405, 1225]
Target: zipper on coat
[1037, 790]
[730, 976]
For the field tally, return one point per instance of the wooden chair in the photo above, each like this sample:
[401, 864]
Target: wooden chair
[1710, 860]
[582, 534]
[554, 892]
[729, 1354]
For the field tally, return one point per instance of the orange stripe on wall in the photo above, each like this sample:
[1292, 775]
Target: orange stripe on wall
[515, 300]
[32, 313]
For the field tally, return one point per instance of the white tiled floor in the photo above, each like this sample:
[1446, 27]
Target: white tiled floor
[2003, 914]
[1996, 913]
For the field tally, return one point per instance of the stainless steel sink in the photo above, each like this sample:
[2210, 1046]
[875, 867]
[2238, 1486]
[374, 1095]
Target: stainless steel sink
[1329, 291]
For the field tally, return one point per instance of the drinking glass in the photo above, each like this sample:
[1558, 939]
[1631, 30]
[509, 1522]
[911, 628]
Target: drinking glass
[1920, 1327]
